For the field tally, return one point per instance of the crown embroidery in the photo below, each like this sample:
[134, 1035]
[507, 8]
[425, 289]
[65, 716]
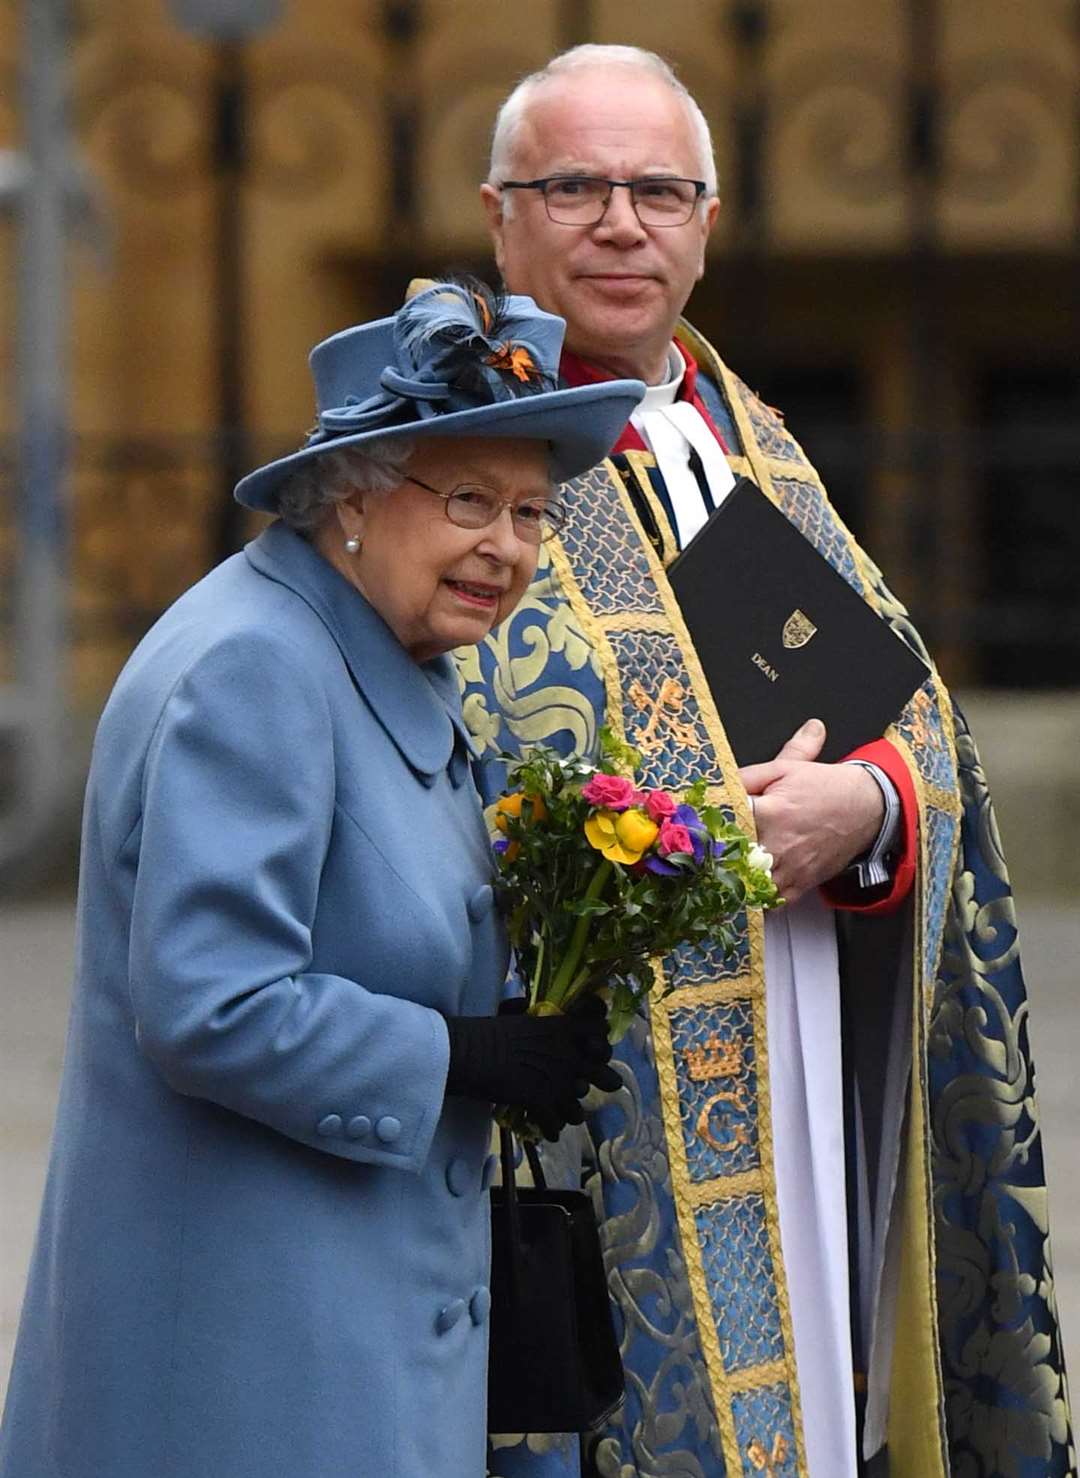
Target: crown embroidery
[716, 1059]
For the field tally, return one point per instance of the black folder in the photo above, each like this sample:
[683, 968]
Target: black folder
[782, 636]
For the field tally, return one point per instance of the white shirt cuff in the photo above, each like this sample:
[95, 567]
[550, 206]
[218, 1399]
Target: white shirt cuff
[875, 866]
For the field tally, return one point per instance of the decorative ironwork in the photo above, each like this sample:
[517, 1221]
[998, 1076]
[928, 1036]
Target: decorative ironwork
[853, 101]
[158, 131]
[990, 139]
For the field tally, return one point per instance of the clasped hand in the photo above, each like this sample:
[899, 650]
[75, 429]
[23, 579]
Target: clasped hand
[814, 818]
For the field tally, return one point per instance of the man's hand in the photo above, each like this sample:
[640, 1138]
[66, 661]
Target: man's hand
[813, 818]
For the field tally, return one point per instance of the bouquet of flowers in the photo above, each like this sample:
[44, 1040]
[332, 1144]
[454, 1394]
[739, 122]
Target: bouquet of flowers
[599, 878]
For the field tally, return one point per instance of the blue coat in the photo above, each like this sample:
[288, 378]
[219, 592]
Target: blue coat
[264, 1245]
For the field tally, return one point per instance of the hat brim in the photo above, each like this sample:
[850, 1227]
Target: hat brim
[581, 423]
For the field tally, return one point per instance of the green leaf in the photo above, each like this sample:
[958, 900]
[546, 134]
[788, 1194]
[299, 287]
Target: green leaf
[621, 757]
[583, 906]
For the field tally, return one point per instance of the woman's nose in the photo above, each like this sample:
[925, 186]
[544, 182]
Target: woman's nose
[502, 538]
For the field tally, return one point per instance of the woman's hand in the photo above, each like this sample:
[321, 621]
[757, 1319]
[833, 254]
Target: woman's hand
[542, 1064]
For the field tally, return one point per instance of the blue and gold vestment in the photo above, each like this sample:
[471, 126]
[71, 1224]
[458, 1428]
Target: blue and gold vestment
[683, 1154]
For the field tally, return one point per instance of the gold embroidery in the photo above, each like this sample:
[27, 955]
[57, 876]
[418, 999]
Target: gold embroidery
[731, 793]
[923, 733]
[716, 1059]
[667, 704]
[768, 1461]
[709, 991]
[705, 1193]
[740, 1134]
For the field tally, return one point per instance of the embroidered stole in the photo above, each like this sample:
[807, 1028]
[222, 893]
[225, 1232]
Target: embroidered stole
[709, 1049]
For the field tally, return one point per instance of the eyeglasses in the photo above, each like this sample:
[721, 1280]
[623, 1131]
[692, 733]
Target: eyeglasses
[582, 200]
[474, 507]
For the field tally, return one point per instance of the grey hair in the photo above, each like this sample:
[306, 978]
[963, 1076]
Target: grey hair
[592, 57]
[312, 490]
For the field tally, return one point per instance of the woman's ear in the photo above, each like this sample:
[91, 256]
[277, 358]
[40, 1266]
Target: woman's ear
[350, 516]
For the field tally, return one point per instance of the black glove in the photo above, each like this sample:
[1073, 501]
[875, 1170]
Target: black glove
[543, 1064]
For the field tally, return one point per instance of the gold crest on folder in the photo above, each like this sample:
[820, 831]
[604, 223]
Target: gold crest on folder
[798, 629]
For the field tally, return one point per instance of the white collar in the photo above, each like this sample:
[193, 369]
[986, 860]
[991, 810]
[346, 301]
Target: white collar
[667, 392]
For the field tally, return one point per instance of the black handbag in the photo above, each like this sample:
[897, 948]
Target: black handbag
[553, 1362]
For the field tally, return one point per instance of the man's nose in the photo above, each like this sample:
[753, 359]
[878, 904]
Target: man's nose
[620, 224]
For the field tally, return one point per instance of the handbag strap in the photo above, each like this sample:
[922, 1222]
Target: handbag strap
[510, 1200]
[506, 1157]
[510, 1232]
[532, 1154]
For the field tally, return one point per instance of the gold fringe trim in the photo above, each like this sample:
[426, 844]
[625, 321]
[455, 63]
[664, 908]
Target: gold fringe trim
[758, 1377]
[738, 988]
[726, 1188]
[942, 800]
[632, 621]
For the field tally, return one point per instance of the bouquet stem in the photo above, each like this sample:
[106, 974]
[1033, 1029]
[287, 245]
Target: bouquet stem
[564, 982]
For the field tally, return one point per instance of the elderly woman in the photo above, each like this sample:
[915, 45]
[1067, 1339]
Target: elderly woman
[264, 1246]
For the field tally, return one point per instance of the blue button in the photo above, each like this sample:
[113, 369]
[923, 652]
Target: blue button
[448, 1317]
[388, 1128]
[479, 905]
[358, 1128]
[460, 1177]
[487, 1175]
[480, 1305]
[330, 1127]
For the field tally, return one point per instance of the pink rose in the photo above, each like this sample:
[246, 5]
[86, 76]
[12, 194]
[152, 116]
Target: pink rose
[674, 837]
[614, 792]
[660, 805]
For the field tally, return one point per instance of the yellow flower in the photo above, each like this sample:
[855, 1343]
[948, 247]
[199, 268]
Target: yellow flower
[510, 805]
[621, 836]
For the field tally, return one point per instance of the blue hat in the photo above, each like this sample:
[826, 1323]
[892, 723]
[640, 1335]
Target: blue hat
[455, 360]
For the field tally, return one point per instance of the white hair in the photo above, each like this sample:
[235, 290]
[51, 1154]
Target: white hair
[590, 58]
[312, 490]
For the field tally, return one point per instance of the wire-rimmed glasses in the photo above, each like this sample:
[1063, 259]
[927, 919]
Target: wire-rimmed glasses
[472, 506]
[582, 200]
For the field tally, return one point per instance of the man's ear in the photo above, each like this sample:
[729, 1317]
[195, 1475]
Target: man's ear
[493, 209]
[709, 215]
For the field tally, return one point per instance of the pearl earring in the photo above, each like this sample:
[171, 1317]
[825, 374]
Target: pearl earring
[352, 544]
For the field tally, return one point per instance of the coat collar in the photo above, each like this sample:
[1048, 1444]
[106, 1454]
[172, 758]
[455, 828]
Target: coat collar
[419, 705]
